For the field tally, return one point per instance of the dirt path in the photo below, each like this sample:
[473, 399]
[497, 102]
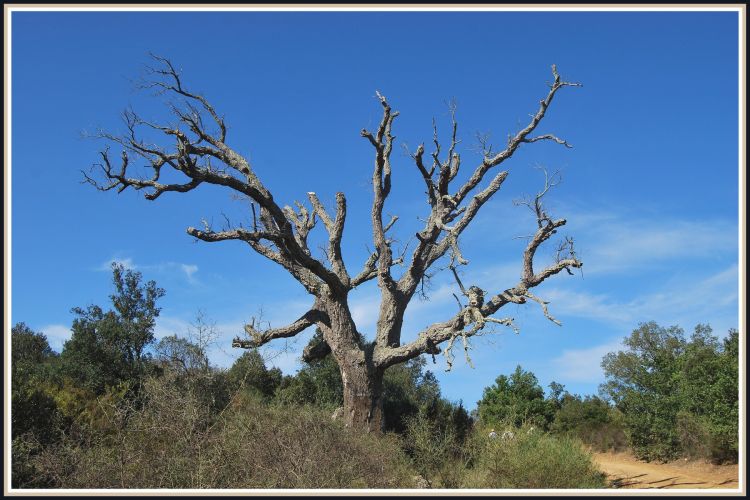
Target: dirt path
[626, 472]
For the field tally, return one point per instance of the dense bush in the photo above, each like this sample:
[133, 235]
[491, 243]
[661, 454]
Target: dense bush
[678, 396]
[517, 398]
[436, 451]
[110, 347]
[249, 372]
[35, 418]
[318, 382]
[592, 420]
[408, 388]
[529, 459]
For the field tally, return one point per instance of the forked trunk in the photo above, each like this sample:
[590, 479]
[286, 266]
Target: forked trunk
[362, 381]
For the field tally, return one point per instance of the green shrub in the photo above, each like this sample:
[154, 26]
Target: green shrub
[434, 450]
[24, 450]
[591, 420]
[679, 396]
[700, 438]
[517, 398]
[530, 459]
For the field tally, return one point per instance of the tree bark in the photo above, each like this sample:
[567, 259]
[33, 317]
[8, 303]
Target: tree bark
[362, 379]
[363, 398]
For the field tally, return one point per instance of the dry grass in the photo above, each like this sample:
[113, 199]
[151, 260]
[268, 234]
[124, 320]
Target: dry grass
[174, 442]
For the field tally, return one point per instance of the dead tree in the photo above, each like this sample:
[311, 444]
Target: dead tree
[196, 147]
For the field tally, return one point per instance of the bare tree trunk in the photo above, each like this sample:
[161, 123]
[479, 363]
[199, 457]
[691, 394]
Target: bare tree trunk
[362, 379]
[363, 398]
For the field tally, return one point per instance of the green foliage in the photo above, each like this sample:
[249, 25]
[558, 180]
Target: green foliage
[318, 382]
[29, 350]
[135, 305]
[435, 449]
[25, 450]
[108, 347]
[32, 409]
[530, 459]
[518, 399]
[91, 357]
[192, 426]
[105, 414]
[407, 388]
[672, 390]
[249, 371]
[56, 397]
[592, 420]
[557, 394]
[708, 388]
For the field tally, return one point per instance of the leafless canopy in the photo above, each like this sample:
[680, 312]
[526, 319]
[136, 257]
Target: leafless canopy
[195, 146]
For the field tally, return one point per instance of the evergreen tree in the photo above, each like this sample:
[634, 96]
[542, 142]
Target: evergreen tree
[109, 347]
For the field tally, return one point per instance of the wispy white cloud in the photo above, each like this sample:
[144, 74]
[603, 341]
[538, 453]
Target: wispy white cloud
[365, 309]
[584, 365]
[56, 335]
[609, 243]
[712, 299]
[170, 325]
[612, 244]
[614, 240]
[682, 299]
[127, 263]
[587, 305]
[188, 270]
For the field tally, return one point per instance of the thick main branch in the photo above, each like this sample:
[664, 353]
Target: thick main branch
[192, 154]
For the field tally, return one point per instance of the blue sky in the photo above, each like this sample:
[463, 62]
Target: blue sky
[650, 188]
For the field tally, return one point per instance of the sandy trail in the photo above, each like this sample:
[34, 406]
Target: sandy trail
[627, 472]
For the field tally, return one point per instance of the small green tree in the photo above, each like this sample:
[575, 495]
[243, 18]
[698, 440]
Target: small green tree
[517, 399]
[249, 370]
[641, 381]
[557, 394]
[708, 386]
[109, 347]
[136, 312]
[29, 349]
[32, 409]
[35, 418]
[676, 394]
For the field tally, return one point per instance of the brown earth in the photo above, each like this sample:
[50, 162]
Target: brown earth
[625, 471]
